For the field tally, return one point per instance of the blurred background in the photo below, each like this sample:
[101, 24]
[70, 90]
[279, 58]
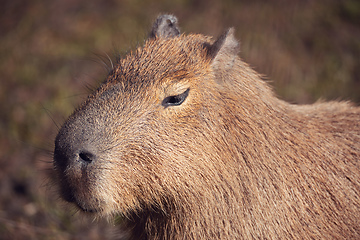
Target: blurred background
[52, 51]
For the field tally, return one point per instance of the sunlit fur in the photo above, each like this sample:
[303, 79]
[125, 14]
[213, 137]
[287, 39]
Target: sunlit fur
[231, 162]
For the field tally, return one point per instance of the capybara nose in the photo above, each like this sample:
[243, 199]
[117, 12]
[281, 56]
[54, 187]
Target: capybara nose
[61, 158]
[86, 157]
[69, 154]
[68, 157]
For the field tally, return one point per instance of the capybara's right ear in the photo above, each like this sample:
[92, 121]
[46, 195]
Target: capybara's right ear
[224, 50]
[165, 26]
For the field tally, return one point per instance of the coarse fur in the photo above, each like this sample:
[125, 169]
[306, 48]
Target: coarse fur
[231, 161]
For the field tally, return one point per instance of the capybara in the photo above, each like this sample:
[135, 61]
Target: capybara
[184, 140]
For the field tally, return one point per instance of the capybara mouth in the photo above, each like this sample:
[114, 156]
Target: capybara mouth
[83, 206]
[68, 196]
[85, 209]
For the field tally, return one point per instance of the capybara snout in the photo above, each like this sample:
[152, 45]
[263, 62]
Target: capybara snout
[186, 141]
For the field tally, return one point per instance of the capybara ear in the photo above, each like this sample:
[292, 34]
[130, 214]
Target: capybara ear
[165, 26]
[224, 50]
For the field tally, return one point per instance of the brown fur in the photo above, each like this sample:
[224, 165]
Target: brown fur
[231, 162]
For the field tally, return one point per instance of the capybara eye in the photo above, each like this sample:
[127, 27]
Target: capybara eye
[175, 100]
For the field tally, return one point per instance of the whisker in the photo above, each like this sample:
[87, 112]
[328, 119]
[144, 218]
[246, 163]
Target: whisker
[112, 65]
[51, 116]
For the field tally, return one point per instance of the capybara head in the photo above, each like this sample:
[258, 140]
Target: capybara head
[186, 141]
[149, 126]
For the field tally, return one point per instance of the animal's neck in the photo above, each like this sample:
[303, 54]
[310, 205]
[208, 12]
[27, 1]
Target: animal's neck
[181, 223]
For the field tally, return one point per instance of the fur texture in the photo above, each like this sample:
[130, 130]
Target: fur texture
[231, 162]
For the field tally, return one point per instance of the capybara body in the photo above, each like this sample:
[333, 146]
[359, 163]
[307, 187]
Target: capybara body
[185, 141]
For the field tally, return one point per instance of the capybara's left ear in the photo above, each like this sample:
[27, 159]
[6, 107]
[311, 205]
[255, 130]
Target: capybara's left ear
[165, 26]
[224, 50]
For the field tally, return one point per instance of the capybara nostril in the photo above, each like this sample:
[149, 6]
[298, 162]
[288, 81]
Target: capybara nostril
[86, 157]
